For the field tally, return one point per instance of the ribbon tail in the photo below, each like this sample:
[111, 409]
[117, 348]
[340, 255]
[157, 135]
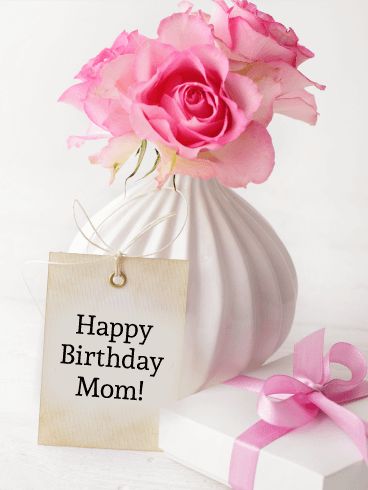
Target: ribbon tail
[246, 449]
[351, 424]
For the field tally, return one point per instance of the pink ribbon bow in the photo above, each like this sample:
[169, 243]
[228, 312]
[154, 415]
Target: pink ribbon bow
[288, 402]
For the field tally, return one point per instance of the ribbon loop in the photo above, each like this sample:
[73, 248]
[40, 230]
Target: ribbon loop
[293, 409]
[351, 358]
[308, 358]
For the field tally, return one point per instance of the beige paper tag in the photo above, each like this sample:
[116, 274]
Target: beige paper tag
[112, 357]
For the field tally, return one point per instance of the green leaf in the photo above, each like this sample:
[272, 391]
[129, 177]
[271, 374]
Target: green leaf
[157, 161]
[140, 152]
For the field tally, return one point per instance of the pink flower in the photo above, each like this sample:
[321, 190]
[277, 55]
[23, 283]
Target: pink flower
[268, 53]
[105, 82]
[203, 93]
[103, 94]
[252, 35]
[186, 106]
[193, 108]
[250, 158]
[283, 90]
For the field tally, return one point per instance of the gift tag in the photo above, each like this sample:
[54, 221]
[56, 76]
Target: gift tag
[112, 349]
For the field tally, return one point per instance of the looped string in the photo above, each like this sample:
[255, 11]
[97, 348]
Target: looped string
[119, 254]
[107, 248]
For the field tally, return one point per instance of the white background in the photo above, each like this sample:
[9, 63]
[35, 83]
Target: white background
[316, 198]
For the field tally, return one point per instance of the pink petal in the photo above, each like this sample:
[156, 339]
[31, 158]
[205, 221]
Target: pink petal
[128, 42]
[269, 90]
[250, 158]
[185, 5]
[283, 90]
[299, 105]
[116, 77]
[254, 46]
[303, 54]
[293, 100]
[90, 69]
[121, 41]
[76, 141]
[117, 121]
[222, 4]
[244, 92]
[213, 61]
[220, 21]
[154, 124]
[211, 135]
[184, 30]
[170, 164]
[292, 79]
[108, 102]
[117, 151]
[284, 36]
[75, 95]
[238, 121]
[107, 114]
[267, 79]
[200, 168]
[141, 116]
[149, 57]
[250, 15]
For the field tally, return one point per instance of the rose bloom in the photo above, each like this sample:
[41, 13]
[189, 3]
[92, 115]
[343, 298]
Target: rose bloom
[105, 105]
[253, 35]
[203, 93]
[268, 53]
[178, 93]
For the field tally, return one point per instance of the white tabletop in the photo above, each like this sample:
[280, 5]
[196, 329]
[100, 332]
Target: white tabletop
[25, 465]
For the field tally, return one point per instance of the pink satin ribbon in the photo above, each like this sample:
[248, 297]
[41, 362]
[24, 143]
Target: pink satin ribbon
[306, 394]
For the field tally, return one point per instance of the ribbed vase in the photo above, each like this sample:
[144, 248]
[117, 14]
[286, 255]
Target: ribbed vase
[242, 283]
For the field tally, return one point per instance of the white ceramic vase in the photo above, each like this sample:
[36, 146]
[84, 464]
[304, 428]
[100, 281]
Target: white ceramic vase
[242, 283]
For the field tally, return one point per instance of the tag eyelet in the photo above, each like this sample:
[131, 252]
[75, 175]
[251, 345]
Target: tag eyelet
[122, 280]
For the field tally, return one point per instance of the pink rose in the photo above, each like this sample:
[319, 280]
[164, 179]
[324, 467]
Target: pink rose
[125, 43]
[197, 111]
[103, 95]
[178, 93]
[283, 90]
[202, 93]
[252, 35]
[268, 53]
[186, 106]
[105, 81]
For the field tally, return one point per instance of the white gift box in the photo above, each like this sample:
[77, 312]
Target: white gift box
[199, 432]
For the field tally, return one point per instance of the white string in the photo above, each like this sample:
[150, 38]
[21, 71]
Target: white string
[105, 247]
[108, 248]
